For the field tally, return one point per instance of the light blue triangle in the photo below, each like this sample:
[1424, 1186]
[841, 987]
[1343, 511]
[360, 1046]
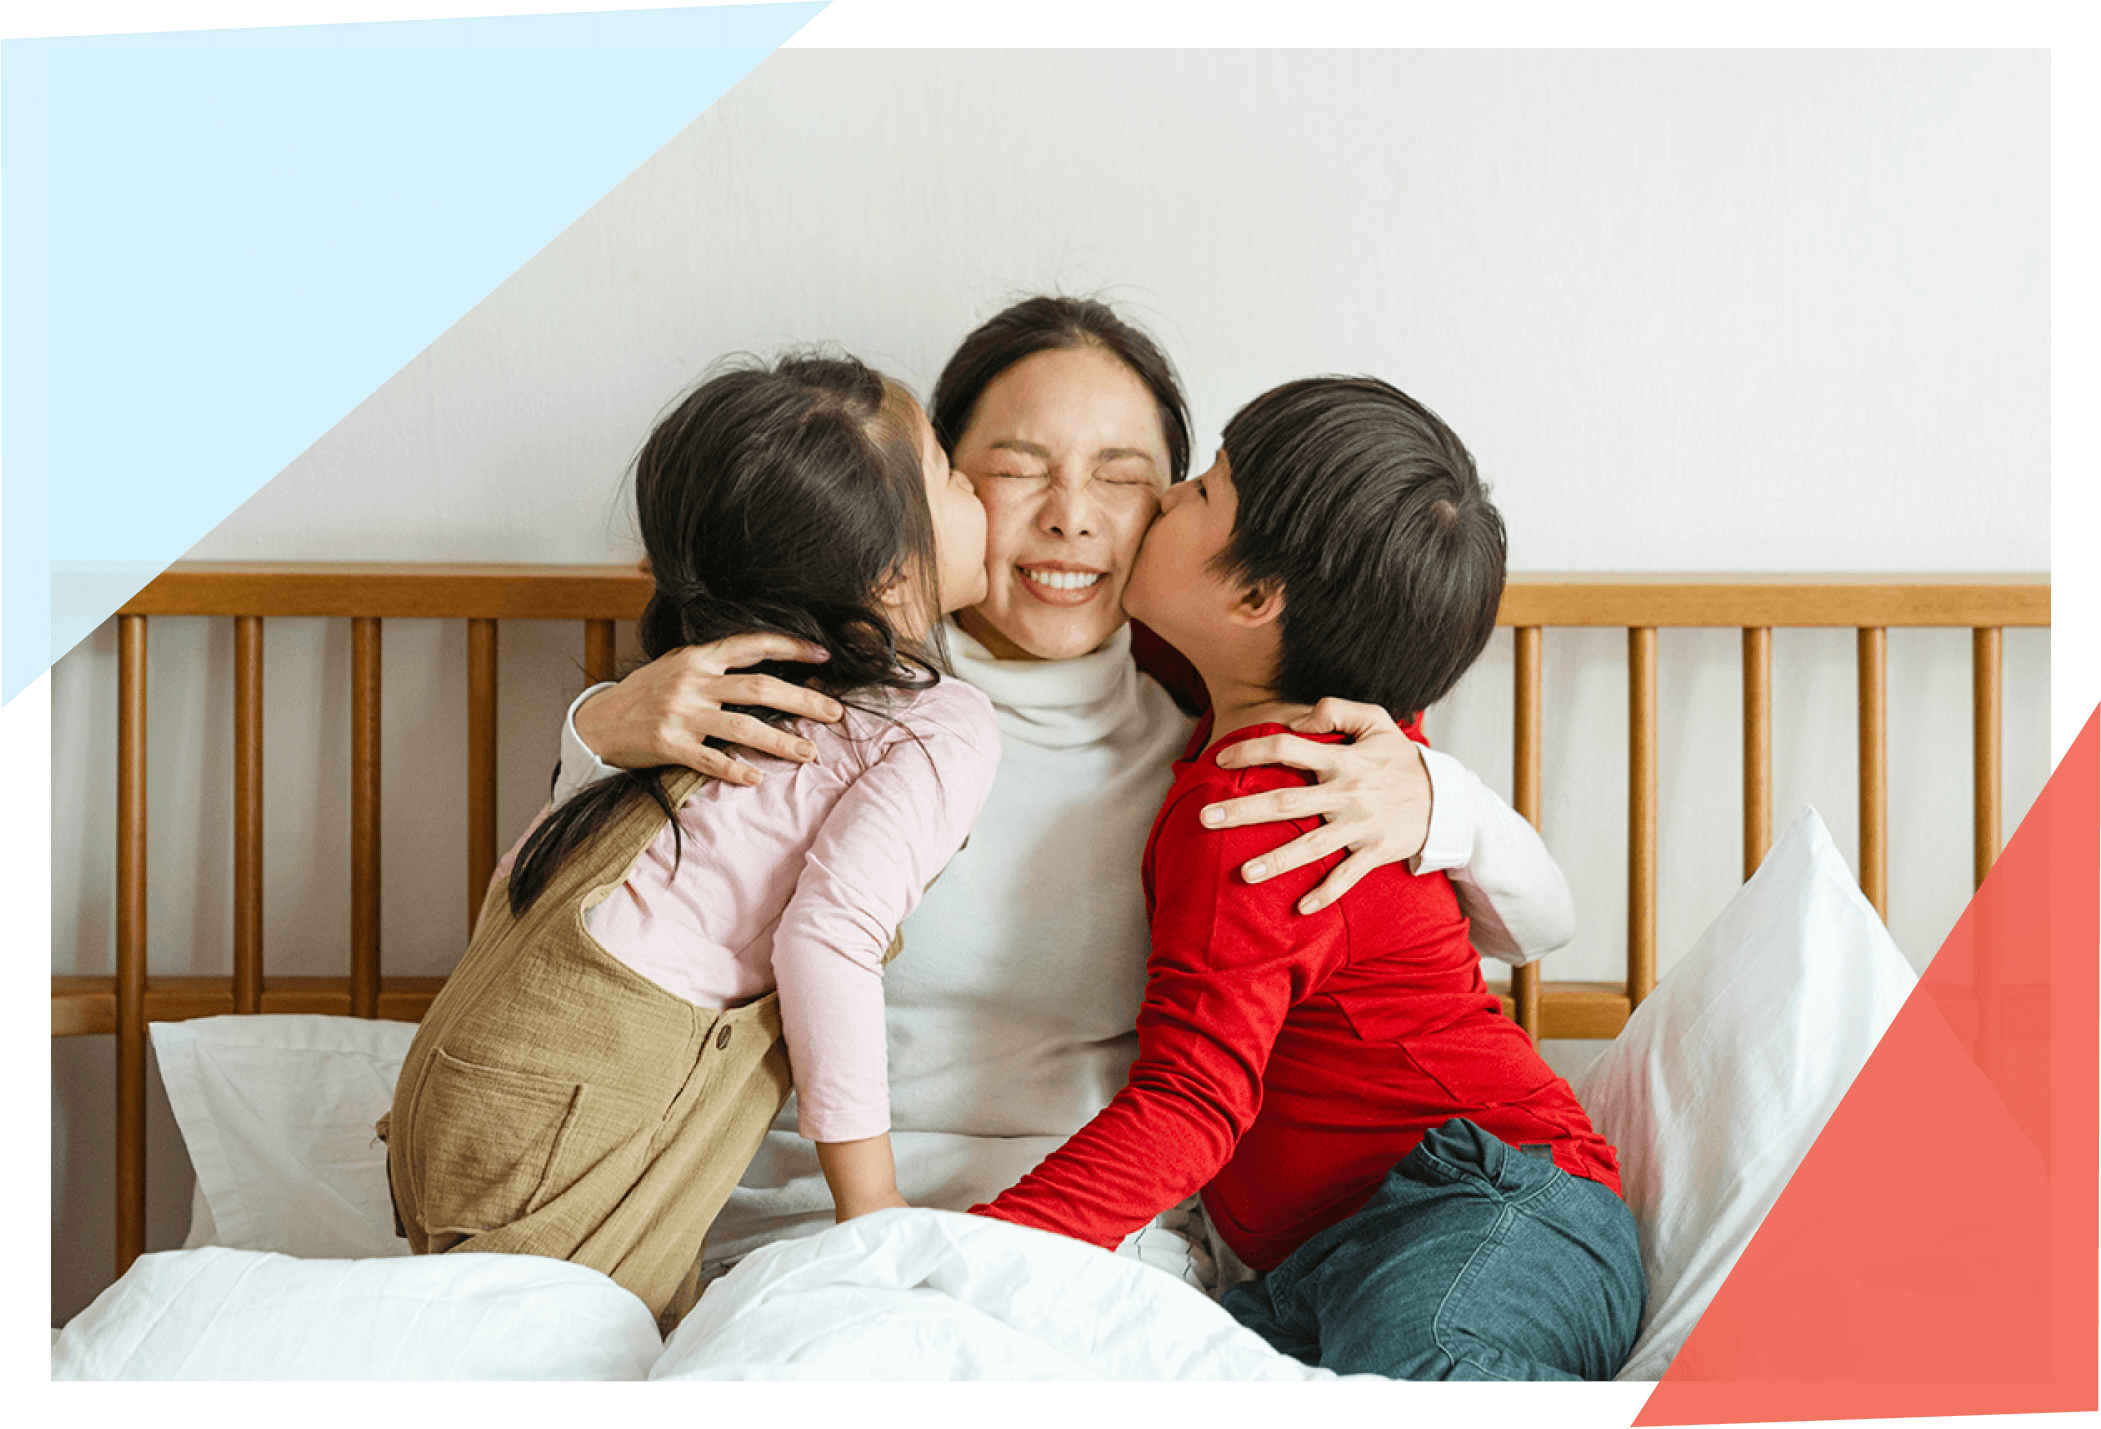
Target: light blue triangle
[218, 243]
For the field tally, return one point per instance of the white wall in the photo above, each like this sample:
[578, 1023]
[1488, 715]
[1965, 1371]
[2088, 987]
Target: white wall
[1719, 312]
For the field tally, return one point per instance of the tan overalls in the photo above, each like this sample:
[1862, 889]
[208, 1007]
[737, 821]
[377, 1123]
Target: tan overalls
[556, 1102]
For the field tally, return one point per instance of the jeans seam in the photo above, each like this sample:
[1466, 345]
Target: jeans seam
[1464, 1278]
[1556, 1185]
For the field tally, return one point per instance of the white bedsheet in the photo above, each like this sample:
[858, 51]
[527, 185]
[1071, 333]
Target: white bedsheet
[901, 1295]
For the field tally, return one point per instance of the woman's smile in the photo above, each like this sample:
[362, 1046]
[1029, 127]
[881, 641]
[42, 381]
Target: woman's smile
[1057, 584]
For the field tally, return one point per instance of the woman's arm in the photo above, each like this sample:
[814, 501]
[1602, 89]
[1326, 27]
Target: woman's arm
[1388, 799]
[665, 712]
[1509, 886]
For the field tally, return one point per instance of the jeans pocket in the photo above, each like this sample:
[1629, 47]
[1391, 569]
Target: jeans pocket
[488, 1140]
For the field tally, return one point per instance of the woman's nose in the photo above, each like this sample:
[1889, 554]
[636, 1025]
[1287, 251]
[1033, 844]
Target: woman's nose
[1070, 511]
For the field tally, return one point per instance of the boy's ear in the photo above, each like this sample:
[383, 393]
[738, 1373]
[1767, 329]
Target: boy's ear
[1258, 605]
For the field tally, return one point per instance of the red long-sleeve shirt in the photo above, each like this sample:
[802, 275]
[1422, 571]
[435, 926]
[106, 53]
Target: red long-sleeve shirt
[1286, 1061]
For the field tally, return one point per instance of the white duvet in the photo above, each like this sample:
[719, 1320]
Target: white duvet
[925, 1294]
[901, 1295]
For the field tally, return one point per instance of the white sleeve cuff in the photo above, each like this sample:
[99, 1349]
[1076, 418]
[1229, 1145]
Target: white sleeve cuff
[1454, 815]
[581, 767]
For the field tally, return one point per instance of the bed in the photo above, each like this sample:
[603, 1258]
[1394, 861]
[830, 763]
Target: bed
[1717, 1078]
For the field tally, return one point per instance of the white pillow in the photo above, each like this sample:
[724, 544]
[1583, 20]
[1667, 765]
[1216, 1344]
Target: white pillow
[1726, 1073]
[215, 1313]
[277, 1114]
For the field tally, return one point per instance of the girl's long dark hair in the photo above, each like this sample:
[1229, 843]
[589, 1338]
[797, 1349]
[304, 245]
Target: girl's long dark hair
[776, 499]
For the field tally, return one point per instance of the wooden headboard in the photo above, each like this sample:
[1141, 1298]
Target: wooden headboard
[598, 596]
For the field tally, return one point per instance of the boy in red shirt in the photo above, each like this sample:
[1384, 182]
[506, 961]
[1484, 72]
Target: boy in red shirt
[1426, 1198]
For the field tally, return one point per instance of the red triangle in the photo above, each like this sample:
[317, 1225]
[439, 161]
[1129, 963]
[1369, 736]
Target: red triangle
[1935, 1251]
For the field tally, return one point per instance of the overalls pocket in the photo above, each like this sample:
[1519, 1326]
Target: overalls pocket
[487, 1139]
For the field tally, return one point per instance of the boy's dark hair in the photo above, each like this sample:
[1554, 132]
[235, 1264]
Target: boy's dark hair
[1367, 510]
[1048, 323]
[771, 499]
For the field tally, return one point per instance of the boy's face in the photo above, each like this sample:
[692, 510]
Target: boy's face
[1173, 587]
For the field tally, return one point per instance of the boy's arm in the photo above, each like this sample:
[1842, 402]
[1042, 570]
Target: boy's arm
[1226, 967]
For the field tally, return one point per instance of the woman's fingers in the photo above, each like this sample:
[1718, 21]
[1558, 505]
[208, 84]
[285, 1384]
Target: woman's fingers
[776, 694]
[751, 733]
[1333, 716]
[1307, 848]
[1296, 802]
[717, 765]
[665, 711]
[1340, 880]
[1373, 797]
[1322, 759]
[734, 652]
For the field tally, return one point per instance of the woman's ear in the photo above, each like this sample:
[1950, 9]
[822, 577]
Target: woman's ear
[1258, 605]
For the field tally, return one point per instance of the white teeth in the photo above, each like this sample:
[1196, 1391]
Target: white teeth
[1063, 580]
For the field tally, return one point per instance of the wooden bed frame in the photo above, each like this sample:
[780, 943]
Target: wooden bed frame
[598, 596]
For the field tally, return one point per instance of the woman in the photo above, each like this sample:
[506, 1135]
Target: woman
[1011, 1013]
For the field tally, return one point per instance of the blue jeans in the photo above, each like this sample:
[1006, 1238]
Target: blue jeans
[1473, 1260]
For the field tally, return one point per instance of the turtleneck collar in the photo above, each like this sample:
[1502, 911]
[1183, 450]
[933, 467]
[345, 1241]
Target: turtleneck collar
[1055, 703]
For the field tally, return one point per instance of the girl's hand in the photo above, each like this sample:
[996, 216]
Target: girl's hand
[1374, 795]
[663, 712]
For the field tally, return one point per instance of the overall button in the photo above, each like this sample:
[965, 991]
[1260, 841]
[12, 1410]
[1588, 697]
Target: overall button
[722, 1039]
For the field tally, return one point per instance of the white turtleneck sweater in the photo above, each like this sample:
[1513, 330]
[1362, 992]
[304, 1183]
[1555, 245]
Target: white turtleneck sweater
[1011, 1010]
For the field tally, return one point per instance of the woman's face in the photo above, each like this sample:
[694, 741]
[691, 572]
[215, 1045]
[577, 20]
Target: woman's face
[1067, 453]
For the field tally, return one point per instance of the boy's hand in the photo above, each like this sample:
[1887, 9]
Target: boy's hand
[1373, 794]
[665, 712]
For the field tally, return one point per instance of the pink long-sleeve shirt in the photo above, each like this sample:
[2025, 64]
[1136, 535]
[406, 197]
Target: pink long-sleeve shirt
[800, 884]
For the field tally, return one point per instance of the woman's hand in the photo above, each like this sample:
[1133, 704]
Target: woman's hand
[663, 712]
[1374, 795]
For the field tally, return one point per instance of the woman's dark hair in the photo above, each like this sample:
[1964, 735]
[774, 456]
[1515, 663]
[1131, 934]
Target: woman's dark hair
[1048, 323]
[773, 499]
[1367, 510]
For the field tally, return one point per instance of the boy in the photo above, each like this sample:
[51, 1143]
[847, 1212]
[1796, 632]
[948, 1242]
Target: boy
[1427, 1197]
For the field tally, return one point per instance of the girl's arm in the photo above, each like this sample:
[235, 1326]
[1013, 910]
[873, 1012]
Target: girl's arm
[902, 816]
[1388, 800]
[861, 1175]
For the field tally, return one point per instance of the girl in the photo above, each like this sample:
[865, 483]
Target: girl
[603, 1064]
